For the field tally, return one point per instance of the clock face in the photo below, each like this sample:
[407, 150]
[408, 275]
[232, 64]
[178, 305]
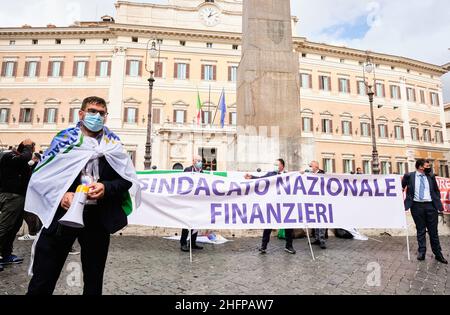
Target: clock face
[210, 15]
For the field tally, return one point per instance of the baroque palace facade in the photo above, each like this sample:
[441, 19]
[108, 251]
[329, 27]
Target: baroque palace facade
[47, 71]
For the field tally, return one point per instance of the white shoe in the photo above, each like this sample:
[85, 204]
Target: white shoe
[27, 237]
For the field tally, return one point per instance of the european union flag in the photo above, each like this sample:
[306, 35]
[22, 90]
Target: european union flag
[223, 108]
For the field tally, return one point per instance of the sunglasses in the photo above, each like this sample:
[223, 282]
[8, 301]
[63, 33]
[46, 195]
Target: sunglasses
[95, 112]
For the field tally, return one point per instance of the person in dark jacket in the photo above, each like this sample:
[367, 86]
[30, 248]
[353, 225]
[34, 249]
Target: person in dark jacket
[32, 220]
[280, 166]
[15, 175]
[319, 234]
[197, 167]
[103, 215]
[423, 198]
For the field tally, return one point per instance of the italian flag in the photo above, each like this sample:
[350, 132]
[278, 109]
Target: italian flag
[199, 108]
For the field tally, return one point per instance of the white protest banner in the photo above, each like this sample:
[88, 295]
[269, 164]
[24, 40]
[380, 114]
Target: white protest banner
[292, 200]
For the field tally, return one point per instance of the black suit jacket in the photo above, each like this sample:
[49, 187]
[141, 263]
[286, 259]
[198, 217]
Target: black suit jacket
[409, 182]
[108, 212]
[191, 169]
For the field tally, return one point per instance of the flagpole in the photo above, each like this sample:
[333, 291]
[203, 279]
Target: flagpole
[217, 108]
[209, 103]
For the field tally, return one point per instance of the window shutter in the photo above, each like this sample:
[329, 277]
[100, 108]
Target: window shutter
[185, 116]
[175, 70]
[331, 126]
[46, 115]
[229, 73]
[399, 93]
[125, 114]
[71, 115]
[97, 69]
[311, 128]
[324, 163]
[310, 80]
[140, 69]
[56, 116]
[136, 116]
[75, 69]
[61, 70]
[15, 69]
[38, 68]
[343, 166]
[8, 112]
[402, 132]
[342, 127]
[174, 116]
[188, 67]
[340, 85]
[353, 166]
[351, 128]
[320, 82]
[323, 125]
[50, 67]
[334, 165]
[361, 129]
[27, 69]
[203, 72]
[21, 115]
[214, 73]
[86, 69]
[379, 131]
[31, 115]
[159, 68]
[109, 68]
[386, 130]
[230, 118]
[156, 115]
[446, 171]
[329, 83]
[128, 67]
[3, 69]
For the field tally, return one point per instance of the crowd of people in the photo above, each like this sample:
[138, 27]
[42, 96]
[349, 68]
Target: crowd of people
[104, 216]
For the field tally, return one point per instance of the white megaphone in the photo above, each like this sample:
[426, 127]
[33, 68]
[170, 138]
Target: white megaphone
[74, 216]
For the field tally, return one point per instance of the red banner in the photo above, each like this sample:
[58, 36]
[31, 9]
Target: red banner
[444, 187]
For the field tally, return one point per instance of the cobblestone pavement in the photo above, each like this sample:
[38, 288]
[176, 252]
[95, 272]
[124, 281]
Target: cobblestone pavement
[150, 265]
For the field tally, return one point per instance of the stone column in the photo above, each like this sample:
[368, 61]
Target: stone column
[268, 94]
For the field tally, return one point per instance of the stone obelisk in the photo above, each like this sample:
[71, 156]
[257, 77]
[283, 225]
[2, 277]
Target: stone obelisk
[268, 95]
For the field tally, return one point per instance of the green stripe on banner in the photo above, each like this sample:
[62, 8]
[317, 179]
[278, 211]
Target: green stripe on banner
[158, 172]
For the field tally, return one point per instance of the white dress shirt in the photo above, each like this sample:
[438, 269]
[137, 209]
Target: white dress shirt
[427, 194]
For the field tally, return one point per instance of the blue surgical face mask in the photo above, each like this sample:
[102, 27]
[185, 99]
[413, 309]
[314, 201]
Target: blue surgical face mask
[198, 165]
[93, 122]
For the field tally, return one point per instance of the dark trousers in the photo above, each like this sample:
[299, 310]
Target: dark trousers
[54, 245]
[184, 236]
[11, 218]
[320, 234]
[426, 219]
[33, 222]
[288, 233]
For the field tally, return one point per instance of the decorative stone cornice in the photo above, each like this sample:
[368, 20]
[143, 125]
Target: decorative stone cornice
[306, 46]
[301, 44]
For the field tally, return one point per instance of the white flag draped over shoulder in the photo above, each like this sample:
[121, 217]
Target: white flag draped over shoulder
[63, 162]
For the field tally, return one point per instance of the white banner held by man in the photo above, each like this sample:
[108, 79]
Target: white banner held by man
[292, 200]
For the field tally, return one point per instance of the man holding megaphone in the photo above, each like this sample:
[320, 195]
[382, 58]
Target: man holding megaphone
[82, 189]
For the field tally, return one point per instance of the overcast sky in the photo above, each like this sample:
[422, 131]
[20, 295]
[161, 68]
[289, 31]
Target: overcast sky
[418, 29]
